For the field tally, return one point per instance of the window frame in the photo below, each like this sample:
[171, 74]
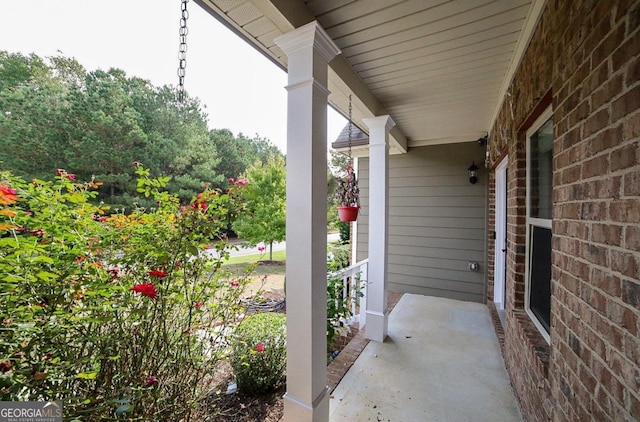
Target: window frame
[531, 221]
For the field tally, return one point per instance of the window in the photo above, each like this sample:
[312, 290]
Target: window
[539, 215]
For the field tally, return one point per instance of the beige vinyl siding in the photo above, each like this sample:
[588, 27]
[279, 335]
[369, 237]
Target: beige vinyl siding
[436, 221]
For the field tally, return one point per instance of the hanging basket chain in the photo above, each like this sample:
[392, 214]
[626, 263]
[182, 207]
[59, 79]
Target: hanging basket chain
[182, 51]
[350, 127]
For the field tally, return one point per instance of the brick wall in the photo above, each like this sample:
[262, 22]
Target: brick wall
[585, 55]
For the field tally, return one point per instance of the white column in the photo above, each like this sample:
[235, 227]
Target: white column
[309, 50]
[377, 313]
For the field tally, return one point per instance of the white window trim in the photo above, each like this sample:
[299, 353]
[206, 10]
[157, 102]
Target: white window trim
[500, 258]
[539, 222]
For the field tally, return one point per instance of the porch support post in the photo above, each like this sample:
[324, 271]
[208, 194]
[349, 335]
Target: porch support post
[309, 50]
[377, 313]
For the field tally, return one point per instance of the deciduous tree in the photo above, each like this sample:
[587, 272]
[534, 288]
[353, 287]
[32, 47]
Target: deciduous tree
[263, 219]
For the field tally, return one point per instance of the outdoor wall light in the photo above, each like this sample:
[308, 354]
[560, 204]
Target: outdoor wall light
[473, 173]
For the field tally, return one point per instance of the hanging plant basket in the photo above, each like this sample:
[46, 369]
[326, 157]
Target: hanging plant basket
[348, 194]
[347, 214]
[347, 191]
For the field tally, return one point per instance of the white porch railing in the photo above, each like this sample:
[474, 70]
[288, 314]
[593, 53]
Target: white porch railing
[351, 277]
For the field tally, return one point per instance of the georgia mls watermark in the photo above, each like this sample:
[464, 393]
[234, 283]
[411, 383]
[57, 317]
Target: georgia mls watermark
[30, 411]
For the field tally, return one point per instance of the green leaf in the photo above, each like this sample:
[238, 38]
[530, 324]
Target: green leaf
[125, 408]
[44, 259]
[87, 375]
[8, 242]
[46, 275]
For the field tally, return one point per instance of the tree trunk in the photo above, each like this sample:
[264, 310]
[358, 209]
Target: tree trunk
[270, 251]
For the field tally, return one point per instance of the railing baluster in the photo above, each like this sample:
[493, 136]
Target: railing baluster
[350, 289]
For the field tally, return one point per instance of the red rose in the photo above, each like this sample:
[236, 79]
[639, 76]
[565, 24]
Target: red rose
[260, 347]
[146, 289]
[7, 195]
[5, 366]
[158, 273]
[37, 232]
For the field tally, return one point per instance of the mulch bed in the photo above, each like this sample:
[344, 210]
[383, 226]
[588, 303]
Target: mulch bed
[222, 407]
[238, 407]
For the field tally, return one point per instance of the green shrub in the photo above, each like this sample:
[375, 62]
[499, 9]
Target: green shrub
[337, 257]
[339, 304]
[116, 316]
[259, 352]
[345, 231]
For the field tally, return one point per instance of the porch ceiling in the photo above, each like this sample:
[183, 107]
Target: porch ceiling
[440, 68]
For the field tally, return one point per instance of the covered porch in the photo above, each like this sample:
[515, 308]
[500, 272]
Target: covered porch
[441, 361]
[427, 80]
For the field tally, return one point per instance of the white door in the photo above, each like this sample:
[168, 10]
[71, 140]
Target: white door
[500, 259]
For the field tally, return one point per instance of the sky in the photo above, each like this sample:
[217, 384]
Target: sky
[241, 89]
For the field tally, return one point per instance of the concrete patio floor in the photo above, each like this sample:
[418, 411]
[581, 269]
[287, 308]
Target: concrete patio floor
[441, 362]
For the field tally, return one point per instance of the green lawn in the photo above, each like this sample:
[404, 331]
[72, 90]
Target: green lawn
[238, 262]
[248, 259]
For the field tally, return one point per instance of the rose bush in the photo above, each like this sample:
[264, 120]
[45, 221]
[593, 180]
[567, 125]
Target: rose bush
[259, 352]
[116, 315]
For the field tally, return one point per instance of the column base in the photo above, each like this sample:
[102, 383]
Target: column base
[377, 325]
[296, 410]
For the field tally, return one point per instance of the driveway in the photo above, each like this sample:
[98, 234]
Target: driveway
[280, 246]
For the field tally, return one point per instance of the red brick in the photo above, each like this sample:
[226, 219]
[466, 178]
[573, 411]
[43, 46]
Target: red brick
[624, 263]
[632, 127]
[570, 102]
[598, 301]
[632, 184]
[596, 196]
[607, 233]
[608, 45]
[596, 78]
[578, 269]
[633, 72]
[631, 292]
[625, 211]
[626, 104]
[612, 88]
[625, 157]
[599, 25]
[624, 9]
[628, 49]
[634, 407]
[593, 210]
[571, 174]
[595, 167]
[632, 238]
[597, 121]
[606, 282]
[570, 211]
[621, 366]
[613, 386]
[578, 229]
[604, 188]
[606, 139]
[632, 348]
[570, 139]
[580, 113]
[629, 320]
[596, 254]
